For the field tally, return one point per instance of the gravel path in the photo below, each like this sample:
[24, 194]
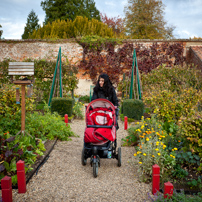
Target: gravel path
[63, 178]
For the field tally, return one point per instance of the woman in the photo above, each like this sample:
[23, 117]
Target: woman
[104, 89]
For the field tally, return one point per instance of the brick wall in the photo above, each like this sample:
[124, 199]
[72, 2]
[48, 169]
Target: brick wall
[41, 49]
[195, 56]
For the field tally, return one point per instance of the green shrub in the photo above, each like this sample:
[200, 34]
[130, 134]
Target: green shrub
[62, 106]
[191, 127]
[133, 108]
[84, 99]
[8, 100]
[171, 106]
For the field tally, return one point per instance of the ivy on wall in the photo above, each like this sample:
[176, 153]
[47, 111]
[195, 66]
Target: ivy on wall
[99, 56]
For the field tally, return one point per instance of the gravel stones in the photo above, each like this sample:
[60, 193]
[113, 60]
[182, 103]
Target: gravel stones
[63, 178]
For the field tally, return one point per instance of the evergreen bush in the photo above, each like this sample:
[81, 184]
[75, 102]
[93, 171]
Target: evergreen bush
[133, 108]
[62, 106]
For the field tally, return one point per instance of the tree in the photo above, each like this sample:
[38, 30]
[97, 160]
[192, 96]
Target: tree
[31, 25]
[116, 23]
[144, 20]
[1, 31]
[69, 9]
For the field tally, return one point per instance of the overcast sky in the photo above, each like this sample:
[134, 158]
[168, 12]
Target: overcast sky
[185, 15]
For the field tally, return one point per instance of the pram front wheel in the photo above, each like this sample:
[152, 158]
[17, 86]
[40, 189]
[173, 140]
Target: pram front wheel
[119, 156]
[95, 169]
[83, 160]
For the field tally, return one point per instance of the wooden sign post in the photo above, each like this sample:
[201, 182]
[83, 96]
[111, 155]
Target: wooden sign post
[23, 69]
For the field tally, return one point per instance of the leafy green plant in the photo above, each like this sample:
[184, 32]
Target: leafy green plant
[84, 99]
[195, 183]
[78, 110]
[187, 158]
[179, 172]
[15, 148]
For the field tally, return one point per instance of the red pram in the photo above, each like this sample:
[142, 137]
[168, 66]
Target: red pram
[100, 113]
[100, 134]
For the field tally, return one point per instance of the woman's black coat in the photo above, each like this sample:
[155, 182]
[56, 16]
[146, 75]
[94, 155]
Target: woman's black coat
[100, 94]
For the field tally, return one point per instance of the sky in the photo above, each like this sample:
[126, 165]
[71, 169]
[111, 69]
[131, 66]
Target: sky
[185, 15]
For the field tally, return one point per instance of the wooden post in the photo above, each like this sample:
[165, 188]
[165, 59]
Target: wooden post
[125, 122]
[6, 189]
[155, 178]
[21, 176]
[23, 109]
[168, 190]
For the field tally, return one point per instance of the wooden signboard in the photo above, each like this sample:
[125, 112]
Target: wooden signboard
[21, 68]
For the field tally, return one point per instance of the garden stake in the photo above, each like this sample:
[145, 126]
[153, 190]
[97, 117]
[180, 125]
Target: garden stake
[66, 119]
[168, 190]
[21, 176]
[155, 178]
[6, 189]
[125, 122]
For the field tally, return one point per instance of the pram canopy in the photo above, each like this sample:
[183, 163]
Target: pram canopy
[100, 120]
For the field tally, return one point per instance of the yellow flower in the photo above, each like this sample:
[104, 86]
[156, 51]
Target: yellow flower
[147, 139]
[159, 138]
[171, 155]
[142, 126]
[144, 154]
[159, 154]
[175, 148]
[161, 143]
[164, 146]
[156, 149]
[137, 122]
[144, 133]
[140, 162]
[153, 156]
[135, 154]
[172, 149]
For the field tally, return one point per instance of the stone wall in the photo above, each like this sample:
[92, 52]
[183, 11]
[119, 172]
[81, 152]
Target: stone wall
[41, 49]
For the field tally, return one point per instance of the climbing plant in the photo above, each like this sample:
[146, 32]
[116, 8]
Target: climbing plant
[99, 55]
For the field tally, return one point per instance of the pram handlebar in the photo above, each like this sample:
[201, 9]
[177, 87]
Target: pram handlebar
[98, 126]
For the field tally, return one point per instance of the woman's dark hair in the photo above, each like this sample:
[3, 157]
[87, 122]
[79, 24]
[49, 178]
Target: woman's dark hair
[107, 87]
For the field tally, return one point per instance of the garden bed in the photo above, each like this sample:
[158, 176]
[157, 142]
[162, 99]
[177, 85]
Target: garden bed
[49, 145]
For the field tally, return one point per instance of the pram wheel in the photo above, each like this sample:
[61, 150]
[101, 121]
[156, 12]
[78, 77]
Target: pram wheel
[95, 169]
[119, 156]
[83, 160]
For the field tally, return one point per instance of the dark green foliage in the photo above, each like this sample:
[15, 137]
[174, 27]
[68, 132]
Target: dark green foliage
[84, 99]
[69, 9]
[31, 25]
[133, 108]
[62, 106]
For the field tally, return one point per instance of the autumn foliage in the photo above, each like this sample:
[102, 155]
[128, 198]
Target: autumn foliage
[102, 57]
